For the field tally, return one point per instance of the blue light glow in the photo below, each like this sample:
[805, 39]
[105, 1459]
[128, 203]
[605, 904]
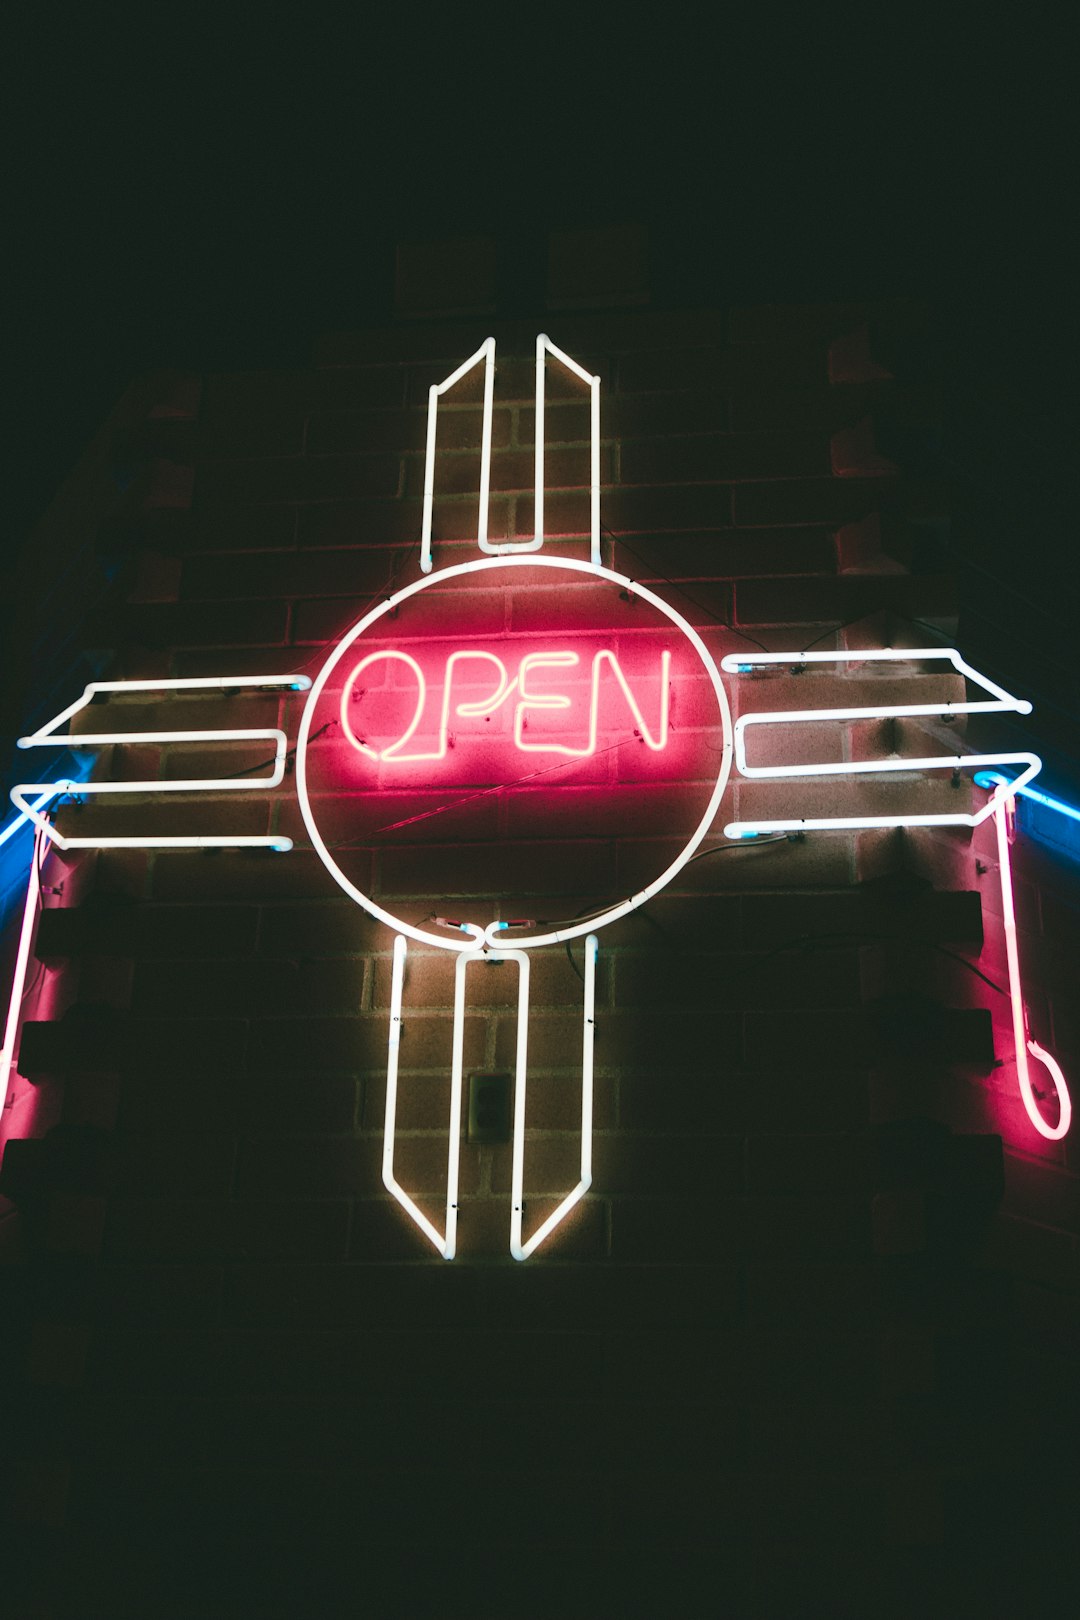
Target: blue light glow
[17, 835]
[1063, 835]
[991, 779]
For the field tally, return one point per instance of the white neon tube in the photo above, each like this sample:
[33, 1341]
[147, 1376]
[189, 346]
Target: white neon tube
[594, 504]
[461, 570]
[502, 548]
[521, 1075]
[544, 347]
[429, 479]
[538, 448]
[275, 841]
[486, 353]
[21, 820]
[49, 735]
[999, 702]
[390, 1180]
[744, 829]
[743, 663]
[1022, 1042]
[22, 957]
[485, 450]
[571, 365]
[991, 778]
[453, 1157]
[519, 1250]
[193, 683]
[446, 1241]
[855, 767]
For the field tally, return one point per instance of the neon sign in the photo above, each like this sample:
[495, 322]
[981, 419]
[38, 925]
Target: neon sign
[486, 353]
[47, 735]
[530, 701]
[999, 701]
[507, 568]
[998, 805]
[1002, 810]
[397, 709]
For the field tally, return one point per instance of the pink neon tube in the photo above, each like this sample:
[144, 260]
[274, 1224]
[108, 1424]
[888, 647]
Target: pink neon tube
[1003, 808]
[26, 936]
[505, 689]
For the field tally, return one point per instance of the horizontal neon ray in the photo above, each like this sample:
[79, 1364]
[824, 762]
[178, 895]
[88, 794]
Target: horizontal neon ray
[31, 798]
[998, 702]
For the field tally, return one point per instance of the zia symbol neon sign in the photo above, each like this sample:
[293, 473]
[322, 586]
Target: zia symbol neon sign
[474, 941]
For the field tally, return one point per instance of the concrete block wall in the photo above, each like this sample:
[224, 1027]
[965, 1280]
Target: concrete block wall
[802, 1349]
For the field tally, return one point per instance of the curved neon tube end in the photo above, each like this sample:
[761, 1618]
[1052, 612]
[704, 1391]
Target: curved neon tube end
[1052, 1133]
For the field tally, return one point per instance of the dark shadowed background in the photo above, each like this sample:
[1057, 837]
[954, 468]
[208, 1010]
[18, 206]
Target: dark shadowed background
[209, 197]
[215, 194]
[199, 193]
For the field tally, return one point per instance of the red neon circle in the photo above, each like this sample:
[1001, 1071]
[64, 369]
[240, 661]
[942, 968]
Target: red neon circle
[620, 667]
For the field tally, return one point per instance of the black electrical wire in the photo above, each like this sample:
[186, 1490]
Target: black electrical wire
[715, 617]
[740, 845]
[838, 941]
[289, 758]
[835, 629]
[855, 936]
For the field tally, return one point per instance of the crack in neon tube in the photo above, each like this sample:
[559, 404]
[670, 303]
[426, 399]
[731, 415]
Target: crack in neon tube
[529, 701]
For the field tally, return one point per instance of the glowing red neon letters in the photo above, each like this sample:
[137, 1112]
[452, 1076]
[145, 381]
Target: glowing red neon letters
[532, 682]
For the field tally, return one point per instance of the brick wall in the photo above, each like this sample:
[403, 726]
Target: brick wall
[803, 1348]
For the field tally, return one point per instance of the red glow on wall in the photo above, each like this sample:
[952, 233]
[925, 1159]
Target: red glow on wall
[549, 732]
[548, 684]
